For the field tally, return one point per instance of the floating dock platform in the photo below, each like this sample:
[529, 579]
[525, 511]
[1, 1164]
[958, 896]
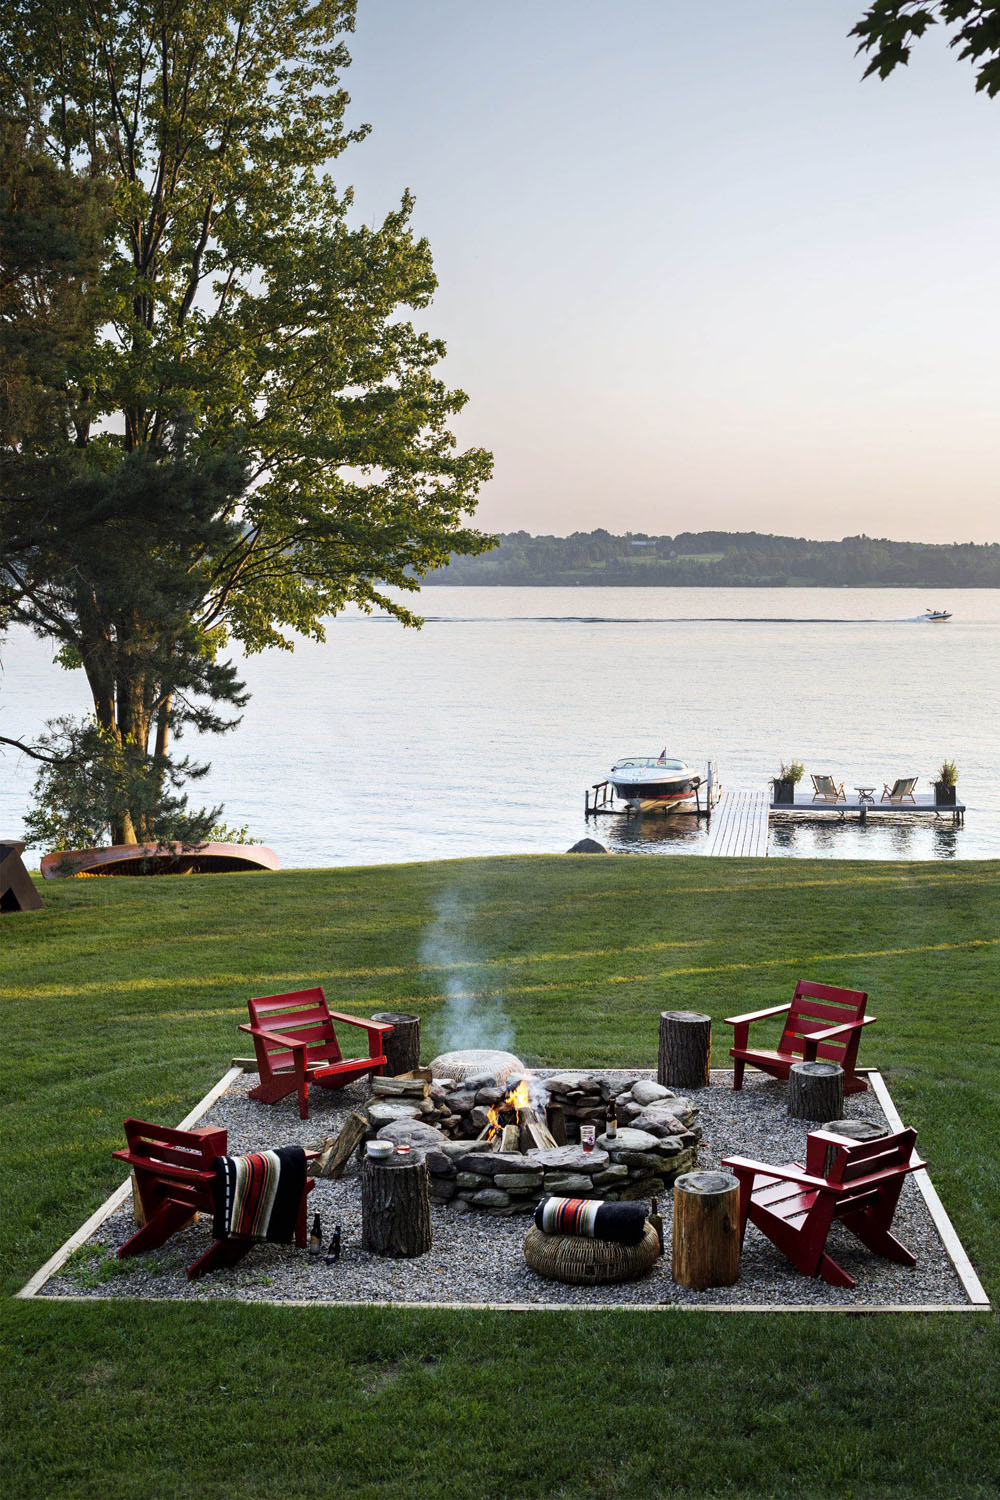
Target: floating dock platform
[740, 821]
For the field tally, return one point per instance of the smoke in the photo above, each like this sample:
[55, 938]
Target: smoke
[473, 1013]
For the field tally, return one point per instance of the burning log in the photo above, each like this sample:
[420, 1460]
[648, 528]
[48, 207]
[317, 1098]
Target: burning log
[535, 1134]
[509, 1139]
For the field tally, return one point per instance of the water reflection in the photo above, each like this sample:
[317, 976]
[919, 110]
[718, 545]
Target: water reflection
[652, 833]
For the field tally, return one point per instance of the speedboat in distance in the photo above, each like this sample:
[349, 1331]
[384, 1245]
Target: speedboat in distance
[641, 779]
[936, 616]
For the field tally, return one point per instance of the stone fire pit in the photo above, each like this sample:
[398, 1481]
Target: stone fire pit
[446, 1118]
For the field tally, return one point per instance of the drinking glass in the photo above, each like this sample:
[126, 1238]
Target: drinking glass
[588, 1134]
[403, 1143]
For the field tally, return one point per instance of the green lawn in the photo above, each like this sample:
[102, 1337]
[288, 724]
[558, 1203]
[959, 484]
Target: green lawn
[123, 997]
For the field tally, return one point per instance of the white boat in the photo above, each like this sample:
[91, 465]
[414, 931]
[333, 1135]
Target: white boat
[936, 616]
[671, 784]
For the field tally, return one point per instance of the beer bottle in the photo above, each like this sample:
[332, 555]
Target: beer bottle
[611, 1129]
[656, 1219]
[315, 1236]
[333, 1250]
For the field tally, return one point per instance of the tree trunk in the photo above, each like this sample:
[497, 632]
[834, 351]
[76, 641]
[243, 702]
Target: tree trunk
[402, 1044]
[395, 1207]
[685, 1049]
[816, 1091]
[851, 1130]
[706, 1247]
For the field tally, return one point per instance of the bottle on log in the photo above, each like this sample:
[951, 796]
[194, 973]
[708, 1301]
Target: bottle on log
[816, 1091]
[707, 1241]
[402, 1044]
[685, 1054]
[396, 1206]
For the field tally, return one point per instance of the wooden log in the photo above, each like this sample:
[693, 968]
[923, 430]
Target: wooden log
[816, 1091]
[395, 1207]
[402, 1043]
[706, 1243]
[337, 1153]
[538, 1135]
[555, 1118]
[401, 1088]
[851, 1130]
[510, 1140]
[685, 1053]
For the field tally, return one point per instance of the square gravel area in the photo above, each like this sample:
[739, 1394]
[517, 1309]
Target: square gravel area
[477, 1258]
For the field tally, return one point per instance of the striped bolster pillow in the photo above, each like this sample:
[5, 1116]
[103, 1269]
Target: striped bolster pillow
[625, 1223]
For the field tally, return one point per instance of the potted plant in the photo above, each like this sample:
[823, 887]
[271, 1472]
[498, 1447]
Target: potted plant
[945, 793]
[784, 783]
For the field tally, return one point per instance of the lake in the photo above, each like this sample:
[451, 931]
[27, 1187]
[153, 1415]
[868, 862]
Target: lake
[478, 734]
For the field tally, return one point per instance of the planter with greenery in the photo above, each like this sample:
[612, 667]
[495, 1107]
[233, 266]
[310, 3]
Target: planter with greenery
[786, 780]
[946, 784]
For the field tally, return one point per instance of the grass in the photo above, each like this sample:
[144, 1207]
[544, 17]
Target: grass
[124, 996]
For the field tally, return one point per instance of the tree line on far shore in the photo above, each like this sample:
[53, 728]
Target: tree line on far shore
[725, 558]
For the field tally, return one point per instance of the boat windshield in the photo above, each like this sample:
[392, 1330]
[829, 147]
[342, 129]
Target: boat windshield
[643, 762]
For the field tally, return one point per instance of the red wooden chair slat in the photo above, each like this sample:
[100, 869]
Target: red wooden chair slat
[295, 1043]
[174, 1173]
[813, 1010]
[796, 1208]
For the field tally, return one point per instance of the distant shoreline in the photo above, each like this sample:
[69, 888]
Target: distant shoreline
[722, 559]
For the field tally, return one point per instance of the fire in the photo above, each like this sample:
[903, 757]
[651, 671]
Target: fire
[516, 1099]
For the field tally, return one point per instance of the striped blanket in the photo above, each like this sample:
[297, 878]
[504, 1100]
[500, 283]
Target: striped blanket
[257, 1197]
[625, 1223]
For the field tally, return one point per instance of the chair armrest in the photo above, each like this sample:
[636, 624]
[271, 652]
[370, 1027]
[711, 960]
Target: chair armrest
[293, 1043]
[757, 1015]
[337, 1015]
[786, 1174]
[824, 1036]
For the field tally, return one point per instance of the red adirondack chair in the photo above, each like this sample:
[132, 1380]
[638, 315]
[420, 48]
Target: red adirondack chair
[820, 1022]
[795, 1206]
[296, 1044]
[174, 1172]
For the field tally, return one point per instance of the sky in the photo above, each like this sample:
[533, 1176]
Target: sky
[694, 272]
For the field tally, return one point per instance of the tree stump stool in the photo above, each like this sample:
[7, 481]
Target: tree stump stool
[396, 1206]
[402, 1045]
[851, 1130]
[707, 1241]
[816, 1091]
[685, 1048]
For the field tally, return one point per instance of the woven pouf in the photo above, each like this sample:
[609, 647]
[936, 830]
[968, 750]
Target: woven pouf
[478, 1060]
[572, 1257]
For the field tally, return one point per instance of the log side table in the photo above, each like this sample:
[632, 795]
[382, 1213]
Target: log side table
[816, 1091]
[707, 1239]
[396, 1206]
[685, 1051]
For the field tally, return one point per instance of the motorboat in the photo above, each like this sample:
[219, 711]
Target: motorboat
[670, 784]
[936, 616]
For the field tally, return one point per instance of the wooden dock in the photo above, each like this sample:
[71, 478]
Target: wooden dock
[740, 825]
[923, 804]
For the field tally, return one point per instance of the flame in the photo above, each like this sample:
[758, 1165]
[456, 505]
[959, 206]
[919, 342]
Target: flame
[518, 1098]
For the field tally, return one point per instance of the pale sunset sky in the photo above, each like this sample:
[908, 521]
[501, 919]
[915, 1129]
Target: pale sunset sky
[694, 273]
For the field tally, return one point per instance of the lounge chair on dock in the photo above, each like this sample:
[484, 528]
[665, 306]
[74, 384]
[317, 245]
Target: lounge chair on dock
[825, 789]
[901, 790]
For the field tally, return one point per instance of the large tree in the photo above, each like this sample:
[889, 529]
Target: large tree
[218, 421]
[889, 28]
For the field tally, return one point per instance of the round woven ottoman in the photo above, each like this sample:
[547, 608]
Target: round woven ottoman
[571, 1257]
[468, 1064]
